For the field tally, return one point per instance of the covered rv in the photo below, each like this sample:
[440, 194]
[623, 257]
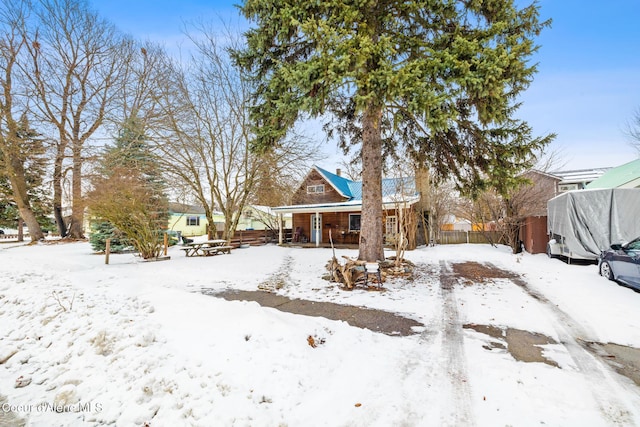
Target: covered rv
[582, 223]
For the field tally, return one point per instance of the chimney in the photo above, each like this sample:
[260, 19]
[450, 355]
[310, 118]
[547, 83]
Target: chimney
[339, 172]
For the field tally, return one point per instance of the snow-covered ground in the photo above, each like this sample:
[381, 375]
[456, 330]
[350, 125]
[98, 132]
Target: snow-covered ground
[134, 343]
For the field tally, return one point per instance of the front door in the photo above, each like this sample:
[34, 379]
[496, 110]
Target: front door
[316, 228]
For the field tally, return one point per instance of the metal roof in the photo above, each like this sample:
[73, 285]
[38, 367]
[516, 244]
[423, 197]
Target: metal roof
[341, 184]
[627, 175]
[394, 190]
[349, 206]
[580, 175]
[391, 187]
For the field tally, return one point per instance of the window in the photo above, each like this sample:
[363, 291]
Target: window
[354, 222]
[313, 189]
[567, 187]
[193, 221]
[391, 225]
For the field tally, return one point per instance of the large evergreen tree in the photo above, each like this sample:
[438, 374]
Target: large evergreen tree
[440, 77]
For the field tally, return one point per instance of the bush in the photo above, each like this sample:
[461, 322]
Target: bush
[103, 230]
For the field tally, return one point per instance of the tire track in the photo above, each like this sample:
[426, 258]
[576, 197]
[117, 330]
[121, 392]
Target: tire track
[453, 349]
[603, 380]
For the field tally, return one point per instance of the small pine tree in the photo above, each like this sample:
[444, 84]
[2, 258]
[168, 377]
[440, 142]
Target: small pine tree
[103, 230]
[129, 193]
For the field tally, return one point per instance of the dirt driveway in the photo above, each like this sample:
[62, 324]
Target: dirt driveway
[376, 320]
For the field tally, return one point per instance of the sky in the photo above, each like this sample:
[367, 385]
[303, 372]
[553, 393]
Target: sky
[137, 343]
[586, 91]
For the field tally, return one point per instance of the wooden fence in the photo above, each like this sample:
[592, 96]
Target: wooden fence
[455, 237]
[12, 236]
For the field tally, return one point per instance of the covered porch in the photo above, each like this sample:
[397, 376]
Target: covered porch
[338, 223]
[318, 225]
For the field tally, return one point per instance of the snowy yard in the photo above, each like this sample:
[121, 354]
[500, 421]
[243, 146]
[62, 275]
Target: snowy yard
[135, 343]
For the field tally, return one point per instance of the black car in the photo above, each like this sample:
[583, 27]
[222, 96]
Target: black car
[622, 263]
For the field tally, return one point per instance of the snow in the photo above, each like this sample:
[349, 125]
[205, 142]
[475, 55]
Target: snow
[133, 342]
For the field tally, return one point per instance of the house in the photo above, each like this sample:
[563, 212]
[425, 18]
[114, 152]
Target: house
[577, 179]
[454, 223]
[189, 220]
[328, 206]
[533, 205]
[257, 217]
[624, 176]
[534, 234]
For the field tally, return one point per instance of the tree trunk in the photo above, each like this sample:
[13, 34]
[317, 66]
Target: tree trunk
[77, 208]
[371, 244]
[18, 181]
[57, 192]
[20, 230]
[21, 197]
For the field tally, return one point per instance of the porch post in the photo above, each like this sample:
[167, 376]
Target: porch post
[280, 227]
[318, 229]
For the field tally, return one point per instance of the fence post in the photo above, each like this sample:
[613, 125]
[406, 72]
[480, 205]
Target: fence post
[166, 243]
[107, 250]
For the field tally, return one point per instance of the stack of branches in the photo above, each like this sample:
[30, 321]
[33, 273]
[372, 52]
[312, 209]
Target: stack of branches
[349, 273]
[352, 272]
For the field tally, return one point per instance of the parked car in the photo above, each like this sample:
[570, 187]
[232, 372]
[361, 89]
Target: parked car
[622, 263]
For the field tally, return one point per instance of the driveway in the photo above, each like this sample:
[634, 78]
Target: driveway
[524, 346]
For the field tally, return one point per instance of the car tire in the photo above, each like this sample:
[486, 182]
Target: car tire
[605, 270]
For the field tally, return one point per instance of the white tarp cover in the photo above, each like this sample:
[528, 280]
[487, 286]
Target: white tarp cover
[591, 220]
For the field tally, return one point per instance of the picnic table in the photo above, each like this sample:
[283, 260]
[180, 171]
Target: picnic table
[206, 248]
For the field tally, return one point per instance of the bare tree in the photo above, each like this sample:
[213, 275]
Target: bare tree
[75, 68]
[633, 130]
[485, 212]
[352, 169]
[138, 95]
[443, 201]
[205, 141]
[280, 171]
[15, 145]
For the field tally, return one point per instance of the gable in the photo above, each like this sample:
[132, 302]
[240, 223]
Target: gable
[316, 188]
[323, 190]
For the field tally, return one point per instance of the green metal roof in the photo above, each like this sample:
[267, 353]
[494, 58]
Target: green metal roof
[627, 175]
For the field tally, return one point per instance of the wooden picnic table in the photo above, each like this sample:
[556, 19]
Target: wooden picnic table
[207, 248]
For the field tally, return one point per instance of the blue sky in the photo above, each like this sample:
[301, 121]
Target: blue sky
[586, 91]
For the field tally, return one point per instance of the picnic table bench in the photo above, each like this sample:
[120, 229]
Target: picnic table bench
[206, 248]
[213, 250]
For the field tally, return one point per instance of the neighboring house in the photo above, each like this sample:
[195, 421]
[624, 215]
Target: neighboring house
[533, 205]
[188, 220]
[327, 203]
[624, 176]
[256, 217]
[577, 179]
[453, 223]
[534, 233]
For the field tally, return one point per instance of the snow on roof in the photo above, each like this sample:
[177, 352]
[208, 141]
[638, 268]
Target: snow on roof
[353, 205]
[391, 187]
[580, 175]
